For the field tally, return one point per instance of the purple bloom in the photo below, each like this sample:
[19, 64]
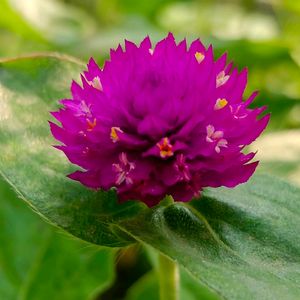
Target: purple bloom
[159, 121]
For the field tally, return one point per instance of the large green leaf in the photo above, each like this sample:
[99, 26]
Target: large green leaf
[243, 243]
[38, 263]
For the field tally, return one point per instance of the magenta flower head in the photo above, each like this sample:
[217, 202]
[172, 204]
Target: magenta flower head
[157, 121]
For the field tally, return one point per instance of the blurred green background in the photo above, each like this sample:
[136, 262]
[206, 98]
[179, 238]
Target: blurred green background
[263, 35]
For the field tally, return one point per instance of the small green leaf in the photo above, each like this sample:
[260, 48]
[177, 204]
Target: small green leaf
[37, 262]
[243, 243]
[147, 288]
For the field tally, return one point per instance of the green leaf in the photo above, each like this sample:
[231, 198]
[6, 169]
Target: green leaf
[36, 261]
[243, 243]
[147, 288]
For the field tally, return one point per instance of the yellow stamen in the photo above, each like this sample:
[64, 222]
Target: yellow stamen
[220, 103]
[199, 57]
[221, 79]
[91, 125]
[165, 148]
[114, 133]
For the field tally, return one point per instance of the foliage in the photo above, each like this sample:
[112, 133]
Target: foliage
[37, 260]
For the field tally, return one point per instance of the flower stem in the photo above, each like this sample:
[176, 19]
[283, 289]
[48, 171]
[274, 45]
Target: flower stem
[168, 278]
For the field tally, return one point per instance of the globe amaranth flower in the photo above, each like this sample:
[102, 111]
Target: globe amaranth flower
[157, 121]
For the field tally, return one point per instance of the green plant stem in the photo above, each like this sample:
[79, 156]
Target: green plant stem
[168, 278]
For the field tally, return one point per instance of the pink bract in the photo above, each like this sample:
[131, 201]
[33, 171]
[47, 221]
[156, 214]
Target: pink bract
[157, 121]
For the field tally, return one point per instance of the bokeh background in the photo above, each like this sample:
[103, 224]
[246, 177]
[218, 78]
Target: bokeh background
[263, 35]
